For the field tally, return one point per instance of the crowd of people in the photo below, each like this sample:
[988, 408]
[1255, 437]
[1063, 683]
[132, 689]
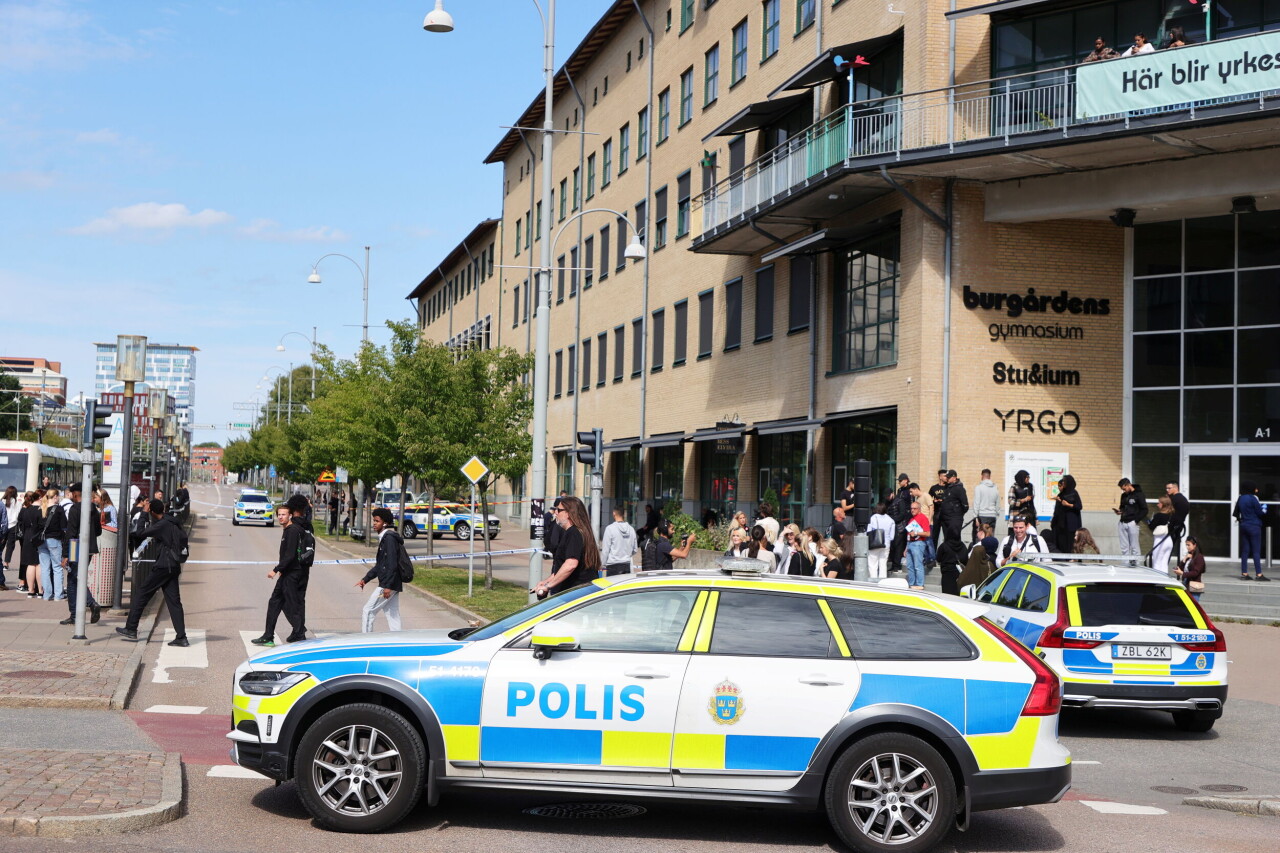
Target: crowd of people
[1175, 37]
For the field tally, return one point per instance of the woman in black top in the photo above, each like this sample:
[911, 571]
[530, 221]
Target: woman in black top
[53, 529]
[577, 558]
[1066, 515]
[30, 522]
[1022, 496]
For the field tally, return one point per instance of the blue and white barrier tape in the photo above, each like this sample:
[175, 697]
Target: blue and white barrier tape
[422, 558]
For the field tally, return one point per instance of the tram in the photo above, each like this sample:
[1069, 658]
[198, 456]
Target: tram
[25, 464]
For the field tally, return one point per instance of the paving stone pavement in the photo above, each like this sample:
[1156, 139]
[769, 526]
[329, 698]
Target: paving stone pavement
[60, 678]
[44, 782]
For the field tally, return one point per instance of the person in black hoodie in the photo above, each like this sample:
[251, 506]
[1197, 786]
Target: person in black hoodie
[163, 576]
[73, 567]
[955, 503]
[1132, 509]
[899, 509]
[291, 573]
[52, 530]
[1066, 515]
[386, 570]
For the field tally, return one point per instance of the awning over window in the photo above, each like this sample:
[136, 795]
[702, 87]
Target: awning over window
[860, 413]
[619, 445]
[669, 439]
[785, 425]
[1010, 6]
[823, 69]
[829, 239]
[758, 115]
[715, 434]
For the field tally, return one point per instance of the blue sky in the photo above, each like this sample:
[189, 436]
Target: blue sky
[173, 169]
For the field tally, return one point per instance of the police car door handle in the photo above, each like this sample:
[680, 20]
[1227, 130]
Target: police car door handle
[646, 672]
[817, 679]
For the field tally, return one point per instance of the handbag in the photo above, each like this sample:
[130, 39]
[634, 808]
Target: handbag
[875, 539]
[1195, 586]
[1160, 530]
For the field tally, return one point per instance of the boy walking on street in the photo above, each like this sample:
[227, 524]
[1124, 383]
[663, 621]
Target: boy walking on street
[386, 569]
[291, 573]
[163, 576]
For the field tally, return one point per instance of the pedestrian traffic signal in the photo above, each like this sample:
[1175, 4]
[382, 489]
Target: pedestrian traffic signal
[861, 493]
[95, 415]
[592, 450]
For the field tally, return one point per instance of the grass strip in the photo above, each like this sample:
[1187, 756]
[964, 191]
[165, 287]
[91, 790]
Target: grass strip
[450, 583]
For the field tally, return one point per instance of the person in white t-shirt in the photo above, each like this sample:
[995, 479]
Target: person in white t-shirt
[1020, 542]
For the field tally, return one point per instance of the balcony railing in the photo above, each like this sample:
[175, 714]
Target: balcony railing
[882, 130]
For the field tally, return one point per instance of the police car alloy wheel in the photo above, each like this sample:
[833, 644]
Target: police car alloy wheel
[360, 768]
[891, 791]
[462, 530]
[410, 530]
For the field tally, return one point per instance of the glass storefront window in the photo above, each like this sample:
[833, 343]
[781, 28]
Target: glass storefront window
[1258, 414]
[1157, 303]
[1259, 296]
[1210, 301]
[1156, 359]
[1209, 358]
[718, 478]
[781, 465]
[1206, 415]
[1258, 244]
[1264, 472]
[1256, 361]
[626, 480]
[1212, 523]
[1210, 243]
[870, 437]
[1155, 416]
[865, 312]
[1153, 467]
[1211, 476]
[1157, 248]
[668, 473]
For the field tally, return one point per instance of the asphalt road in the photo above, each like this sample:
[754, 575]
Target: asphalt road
[1119, 758]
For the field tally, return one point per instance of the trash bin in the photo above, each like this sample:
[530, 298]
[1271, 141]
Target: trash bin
[102, 569]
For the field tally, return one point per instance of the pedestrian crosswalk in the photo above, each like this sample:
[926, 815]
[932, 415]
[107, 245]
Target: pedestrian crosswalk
[195, 655]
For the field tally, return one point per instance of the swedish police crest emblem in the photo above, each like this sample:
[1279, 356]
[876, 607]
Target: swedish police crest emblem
[727, 705]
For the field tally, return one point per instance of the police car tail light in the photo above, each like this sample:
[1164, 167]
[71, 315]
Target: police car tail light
[1219, 643]
[1053, 636]
[1045, 698]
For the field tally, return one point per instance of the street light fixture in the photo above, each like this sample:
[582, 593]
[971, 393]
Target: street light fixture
[157, 409]
[438, 20]
[312, 341]
[131, 367]
[314, 278]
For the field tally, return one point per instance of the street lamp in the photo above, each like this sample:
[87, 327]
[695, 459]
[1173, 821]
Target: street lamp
[266, 377]
[157, 408]
[438, 20]
[314, 278]
[131, 367]
[312, 341]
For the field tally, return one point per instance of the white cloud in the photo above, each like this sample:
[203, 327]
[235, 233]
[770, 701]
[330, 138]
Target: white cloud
[270, 231]
[48, 34]
[152, 216]
[105, 136]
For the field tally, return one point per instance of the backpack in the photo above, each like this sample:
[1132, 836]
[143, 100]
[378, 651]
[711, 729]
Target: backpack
[1032, 539]
[306, 548]
[183, 552]
[406, 564]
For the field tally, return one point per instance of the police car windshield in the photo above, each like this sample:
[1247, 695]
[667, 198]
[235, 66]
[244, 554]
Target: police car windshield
[493, 629]
[254, 499]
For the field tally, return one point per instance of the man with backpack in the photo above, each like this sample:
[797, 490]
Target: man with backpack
[171, 553]
[291, 573]
[73, 566]
[1020, 541]
[390, 570]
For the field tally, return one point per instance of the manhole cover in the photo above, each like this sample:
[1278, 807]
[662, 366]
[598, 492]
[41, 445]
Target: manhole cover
[39, 673]
[1174, 789]
[1224, 789]
[587, 811]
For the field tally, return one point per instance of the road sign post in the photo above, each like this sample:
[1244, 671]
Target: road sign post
[474, 471]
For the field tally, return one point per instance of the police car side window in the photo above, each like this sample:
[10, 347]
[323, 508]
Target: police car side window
[1012, 592]
[884, 632]
[1035, 597]
[987, 591]
[650, 621]
[769, 625]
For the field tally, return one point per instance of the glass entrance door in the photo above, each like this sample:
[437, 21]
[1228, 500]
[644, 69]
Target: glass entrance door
[1211, 477]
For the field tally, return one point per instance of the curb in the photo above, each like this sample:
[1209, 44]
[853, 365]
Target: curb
[70, 826]
[456, 609]
[1266, 806]
[132, 667]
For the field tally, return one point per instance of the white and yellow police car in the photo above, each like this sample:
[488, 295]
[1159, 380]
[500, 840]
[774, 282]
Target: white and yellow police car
[898, 712]
[1118, 637]
[253, 507]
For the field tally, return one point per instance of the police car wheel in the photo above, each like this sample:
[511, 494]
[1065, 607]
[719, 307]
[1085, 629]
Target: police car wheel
[891, 791]
[1194, 721]
[462, 530]
[410, 531]
[360, 768]
[235, 523]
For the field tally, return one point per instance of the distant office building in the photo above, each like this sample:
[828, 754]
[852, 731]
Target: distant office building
[206, 465]
[169, 366]
[38, 378]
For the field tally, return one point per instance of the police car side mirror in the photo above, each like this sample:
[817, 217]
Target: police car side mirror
[548, 637]
[968, 591]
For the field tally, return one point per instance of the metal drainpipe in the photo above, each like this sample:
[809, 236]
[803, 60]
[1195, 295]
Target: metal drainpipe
[811, 434]
[949, 192]
[475, 285]
[644, 227]
[582, 205]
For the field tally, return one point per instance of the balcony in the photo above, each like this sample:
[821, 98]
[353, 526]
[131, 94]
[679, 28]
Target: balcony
[992, 130]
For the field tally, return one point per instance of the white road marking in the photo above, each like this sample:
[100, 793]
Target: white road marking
[249, 648]
[1073, 761]
[196, 655]
[233, 771]
[176, 709]
[1120, 808]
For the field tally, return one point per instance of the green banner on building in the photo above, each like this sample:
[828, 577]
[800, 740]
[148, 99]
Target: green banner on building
[1196, 73]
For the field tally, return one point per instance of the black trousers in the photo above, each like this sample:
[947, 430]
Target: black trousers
[897, 548]
[617, 569]
[158, 580]
[333, 521]
[89, 601]
[289, 596]
[950, 527]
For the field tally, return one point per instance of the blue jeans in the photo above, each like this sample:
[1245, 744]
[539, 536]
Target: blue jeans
[50, 552]
[915, 563]
[930, 550]
[1250, 546]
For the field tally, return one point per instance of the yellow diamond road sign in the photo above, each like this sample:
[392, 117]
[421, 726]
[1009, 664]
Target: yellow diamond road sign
[474, 470]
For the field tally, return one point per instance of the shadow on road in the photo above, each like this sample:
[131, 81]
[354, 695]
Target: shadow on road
[1129, 723]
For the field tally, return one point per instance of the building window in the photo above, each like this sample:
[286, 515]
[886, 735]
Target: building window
[591, 175]
[660, 219]
[537, 234]
[711, 75]
[733, 314]
[588, 262]
[798, 305]
[770, 29]
[637, 346]
[626, 477]
[686, 14]
[602, 358]
[586, 364]
[781, 466]
[577, 189]
[619, 351]
[706, 322]
[624, 148]
[622, 245]
[604, 253]
[642, 134]
[686, 97]
[680, 338]
[527, 288]
[559, 372]
[668, 473]
[515, 307]
[873, 437]
[573, 370]
[764, 304]
[683, 189]
[658, 331]
[606, 163]
[804, 14]
[519, 228]
[573, 271]
[564, 198]
[737, 69]
[664, 115]
[560, 279]
[865, 310]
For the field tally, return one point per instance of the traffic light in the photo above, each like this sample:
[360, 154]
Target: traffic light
[592, 450]
[95, 415]
[861, 493]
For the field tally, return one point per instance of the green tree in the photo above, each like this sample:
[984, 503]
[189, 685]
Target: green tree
[15, 407]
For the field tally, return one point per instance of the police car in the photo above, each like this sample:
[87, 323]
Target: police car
[898, 712]
[449, 518]
[1118, 637]
[253, 506]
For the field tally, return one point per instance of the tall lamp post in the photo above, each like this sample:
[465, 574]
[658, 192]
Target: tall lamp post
[131, 367]
[157, 408]
[314, 278]
[312, 341]
[440, 21]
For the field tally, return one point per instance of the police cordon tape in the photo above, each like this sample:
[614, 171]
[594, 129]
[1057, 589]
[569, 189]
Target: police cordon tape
[417, 558]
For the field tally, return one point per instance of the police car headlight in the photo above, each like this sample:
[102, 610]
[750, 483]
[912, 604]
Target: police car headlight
[271, 683]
